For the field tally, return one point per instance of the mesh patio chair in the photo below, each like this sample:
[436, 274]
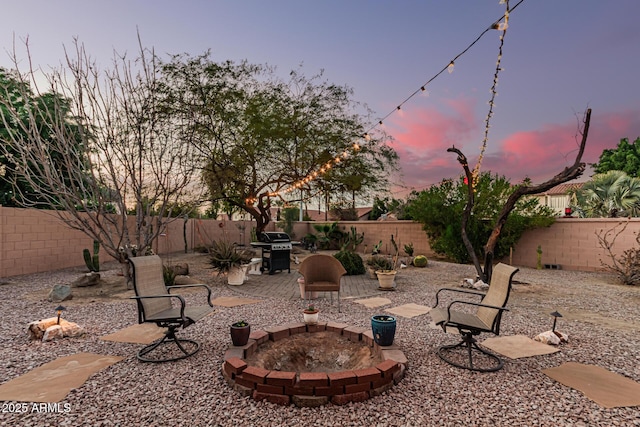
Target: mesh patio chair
[472, 318]
[322, 273]
[157, 305]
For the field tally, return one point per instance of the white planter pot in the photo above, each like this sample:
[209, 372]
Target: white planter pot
[386, 279]
[310, 318]
[237, 275]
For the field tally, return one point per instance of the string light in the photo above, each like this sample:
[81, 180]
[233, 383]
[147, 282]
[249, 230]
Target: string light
[501, 26]
[449, 69]
[423, 87]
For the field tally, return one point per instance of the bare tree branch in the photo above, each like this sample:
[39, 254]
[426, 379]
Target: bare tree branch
[567, 174]
[96, 146]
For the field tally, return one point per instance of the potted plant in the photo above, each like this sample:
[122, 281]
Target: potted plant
[310, 315]
[240, 332]
[386, 277]
[227, 259]
[383, 327]
[376, 263]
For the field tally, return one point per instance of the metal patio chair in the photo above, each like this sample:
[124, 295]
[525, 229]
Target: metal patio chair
[459, 314]
[157, 305]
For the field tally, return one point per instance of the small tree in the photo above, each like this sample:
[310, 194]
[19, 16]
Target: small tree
[625, 157]
[262, 136]
[440, 209]
[123, 153]
[567, 174]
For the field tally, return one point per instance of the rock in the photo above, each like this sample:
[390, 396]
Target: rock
[36, 329]
[48, 329]
[52, 333]
[480, 285]
[181, 269]
[70, 329]
[89, 279]
[60, 293]
[552, 337]
[185, 280]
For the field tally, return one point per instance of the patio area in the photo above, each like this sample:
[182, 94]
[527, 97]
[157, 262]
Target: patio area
[601, 318]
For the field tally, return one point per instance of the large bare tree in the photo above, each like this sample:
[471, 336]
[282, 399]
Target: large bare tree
[108, 148]
[567, 174]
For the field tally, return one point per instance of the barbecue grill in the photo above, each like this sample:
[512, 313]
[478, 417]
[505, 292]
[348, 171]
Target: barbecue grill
[276, 251]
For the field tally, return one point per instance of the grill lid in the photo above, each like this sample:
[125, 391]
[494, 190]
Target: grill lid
[274, 236]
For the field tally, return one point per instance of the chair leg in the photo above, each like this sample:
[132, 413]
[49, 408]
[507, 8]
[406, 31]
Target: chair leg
[470, 344]
[169, 338]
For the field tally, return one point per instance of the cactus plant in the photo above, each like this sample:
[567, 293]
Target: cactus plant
[420, 261]
[93, 262]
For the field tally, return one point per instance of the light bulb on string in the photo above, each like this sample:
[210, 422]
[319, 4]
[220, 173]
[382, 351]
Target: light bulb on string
[450, 67]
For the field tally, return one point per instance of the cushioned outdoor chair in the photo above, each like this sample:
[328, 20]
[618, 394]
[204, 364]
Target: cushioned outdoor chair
[472, 318]
[322, 273]
[157, 305]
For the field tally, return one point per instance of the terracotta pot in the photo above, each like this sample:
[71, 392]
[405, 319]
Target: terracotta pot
[386, 279]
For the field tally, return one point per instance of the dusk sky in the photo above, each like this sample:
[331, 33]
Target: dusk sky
[560, 57]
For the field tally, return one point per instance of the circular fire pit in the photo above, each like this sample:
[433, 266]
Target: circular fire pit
[312, 365]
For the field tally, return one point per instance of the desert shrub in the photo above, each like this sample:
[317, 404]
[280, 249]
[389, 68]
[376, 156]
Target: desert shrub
[440, 209]
[351, 261]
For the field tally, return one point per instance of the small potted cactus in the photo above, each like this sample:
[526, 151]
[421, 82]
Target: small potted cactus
[310, 315]
[240, 332]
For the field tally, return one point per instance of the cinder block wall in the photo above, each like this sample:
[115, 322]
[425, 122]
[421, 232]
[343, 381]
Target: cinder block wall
[572, 243]
[34, 241]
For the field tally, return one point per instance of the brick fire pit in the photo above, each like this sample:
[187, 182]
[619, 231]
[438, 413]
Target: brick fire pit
[307, 389]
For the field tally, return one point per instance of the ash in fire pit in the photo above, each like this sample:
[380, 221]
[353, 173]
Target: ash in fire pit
[317, 352]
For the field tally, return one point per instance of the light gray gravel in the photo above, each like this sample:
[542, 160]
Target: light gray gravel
[192, 392]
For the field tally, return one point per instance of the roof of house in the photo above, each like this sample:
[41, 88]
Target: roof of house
[562, 189]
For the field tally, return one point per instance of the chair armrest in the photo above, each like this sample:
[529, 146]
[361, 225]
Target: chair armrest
[194, 285]
[477, 304]
[179, 297]
[462, 291]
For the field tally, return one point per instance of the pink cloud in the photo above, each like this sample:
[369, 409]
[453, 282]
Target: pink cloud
[422, 138]
[540, 154]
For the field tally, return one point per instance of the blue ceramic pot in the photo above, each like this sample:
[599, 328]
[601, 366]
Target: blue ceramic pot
[383, 327]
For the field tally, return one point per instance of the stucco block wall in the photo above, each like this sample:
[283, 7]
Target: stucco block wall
[572, 243]
[32, 241]
[35, 241]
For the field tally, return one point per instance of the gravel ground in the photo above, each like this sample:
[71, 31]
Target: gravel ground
[192, 392]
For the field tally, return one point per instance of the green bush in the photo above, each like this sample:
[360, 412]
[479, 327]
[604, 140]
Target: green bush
[440, 209]
[420, 261]
[351, 261]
